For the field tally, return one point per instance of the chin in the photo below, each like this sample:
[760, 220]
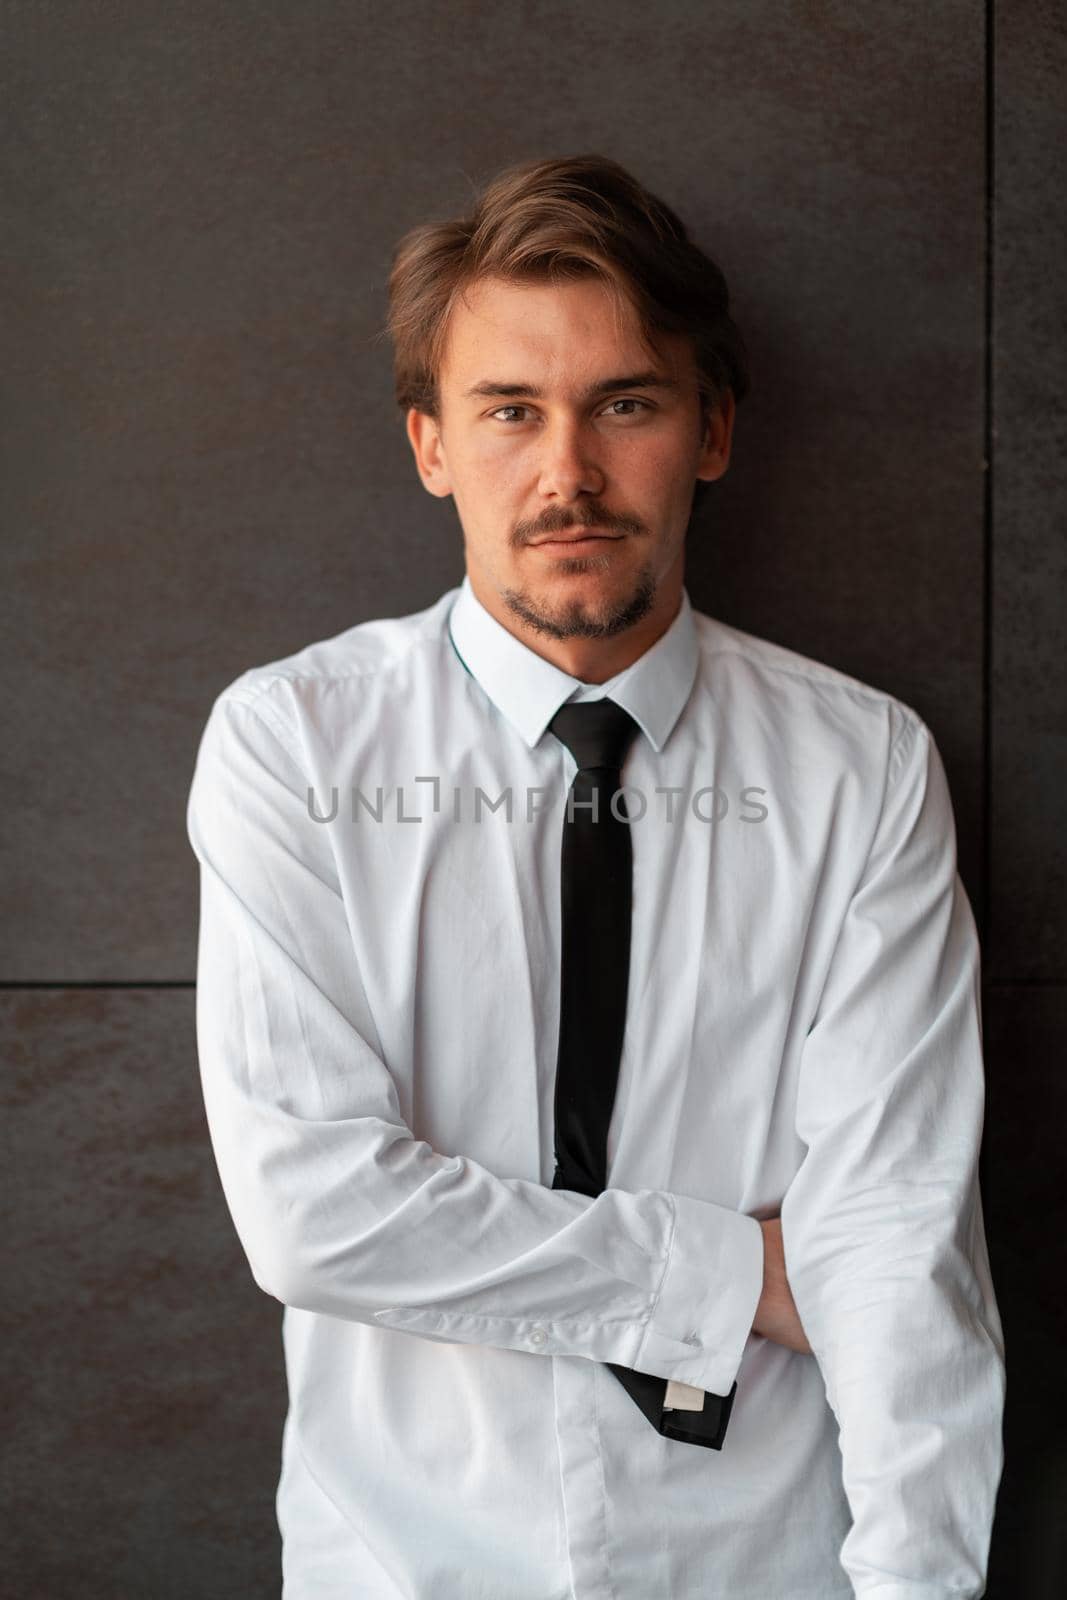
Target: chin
[616, 607]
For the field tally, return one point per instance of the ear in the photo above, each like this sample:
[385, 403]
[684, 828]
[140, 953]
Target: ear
[428, 448]
[718, 436]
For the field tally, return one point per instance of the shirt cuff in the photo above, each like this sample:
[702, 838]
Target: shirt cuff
[708, 1299]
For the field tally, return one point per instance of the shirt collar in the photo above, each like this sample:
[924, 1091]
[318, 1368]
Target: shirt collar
[528, 690]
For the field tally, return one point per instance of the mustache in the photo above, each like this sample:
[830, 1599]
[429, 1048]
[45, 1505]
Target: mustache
[557, 519]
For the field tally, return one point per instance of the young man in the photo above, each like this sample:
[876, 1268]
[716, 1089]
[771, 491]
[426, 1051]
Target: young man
[524, 1107]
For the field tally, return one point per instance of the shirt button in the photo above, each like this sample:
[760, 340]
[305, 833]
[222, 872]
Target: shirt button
[538, 1336]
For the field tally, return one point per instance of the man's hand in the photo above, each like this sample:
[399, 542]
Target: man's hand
[776, 1314]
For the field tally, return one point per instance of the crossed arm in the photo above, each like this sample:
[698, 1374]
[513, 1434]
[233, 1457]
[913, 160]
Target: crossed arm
[888, 1280]
[776, 1315]
[341, 1210]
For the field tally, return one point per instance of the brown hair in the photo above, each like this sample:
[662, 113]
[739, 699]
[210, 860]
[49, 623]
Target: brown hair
[577, 216]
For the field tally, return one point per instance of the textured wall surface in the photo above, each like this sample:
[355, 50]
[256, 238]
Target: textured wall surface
[1025, 947]
[142, 1384]
[202, 469]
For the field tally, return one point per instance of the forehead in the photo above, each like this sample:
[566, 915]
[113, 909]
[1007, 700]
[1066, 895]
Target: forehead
[566, 335]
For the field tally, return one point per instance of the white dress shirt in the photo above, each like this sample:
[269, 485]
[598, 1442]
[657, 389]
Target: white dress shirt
[377, 1013]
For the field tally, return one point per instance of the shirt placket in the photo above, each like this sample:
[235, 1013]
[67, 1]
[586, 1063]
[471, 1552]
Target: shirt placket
[582, 1478]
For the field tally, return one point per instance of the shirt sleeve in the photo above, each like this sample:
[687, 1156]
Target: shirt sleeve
[339, 1208]
[882, 1226]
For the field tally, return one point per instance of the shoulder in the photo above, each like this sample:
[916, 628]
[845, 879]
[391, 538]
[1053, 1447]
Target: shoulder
[362, 661]
[367, 650]
[797, 696]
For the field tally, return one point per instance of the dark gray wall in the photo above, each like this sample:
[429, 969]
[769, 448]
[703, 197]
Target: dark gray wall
[202, 469]
[1025, 775]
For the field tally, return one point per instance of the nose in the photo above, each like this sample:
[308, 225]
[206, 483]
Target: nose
[568, 464]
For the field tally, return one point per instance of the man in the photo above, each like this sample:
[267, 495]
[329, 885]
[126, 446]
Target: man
[411, 1019]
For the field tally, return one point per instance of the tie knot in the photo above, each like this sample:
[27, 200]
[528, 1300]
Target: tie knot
[597, 733]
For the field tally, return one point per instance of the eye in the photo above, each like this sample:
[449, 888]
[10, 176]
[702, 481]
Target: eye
[629, 400]
[515, 414]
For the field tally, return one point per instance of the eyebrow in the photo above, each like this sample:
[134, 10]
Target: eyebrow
[491, 389]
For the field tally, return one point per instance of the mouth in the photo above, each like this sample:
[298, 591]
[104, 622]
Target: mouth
[575, 540]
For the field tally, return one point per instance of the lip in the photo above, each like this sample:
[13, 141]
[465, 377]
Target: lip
[577, 536]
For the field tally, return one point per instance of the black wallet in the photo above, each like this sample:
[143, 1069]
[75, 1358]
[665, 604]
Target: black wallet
[707, 1427]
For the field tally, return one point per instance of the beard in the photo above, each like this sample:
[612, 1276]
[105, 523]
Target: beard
[579, 619]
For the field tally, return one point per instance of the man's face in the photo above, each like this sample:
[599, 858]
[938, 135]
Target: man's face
[572, 452]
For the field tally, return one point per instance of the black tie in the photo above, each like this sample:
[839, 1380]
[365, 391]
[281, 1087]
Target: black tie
[596, 876]
[596, 901]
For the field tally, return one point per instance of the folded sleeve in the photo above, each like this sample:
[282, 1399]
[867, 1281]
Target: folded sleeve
[882, 1226]
[339, 1208]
